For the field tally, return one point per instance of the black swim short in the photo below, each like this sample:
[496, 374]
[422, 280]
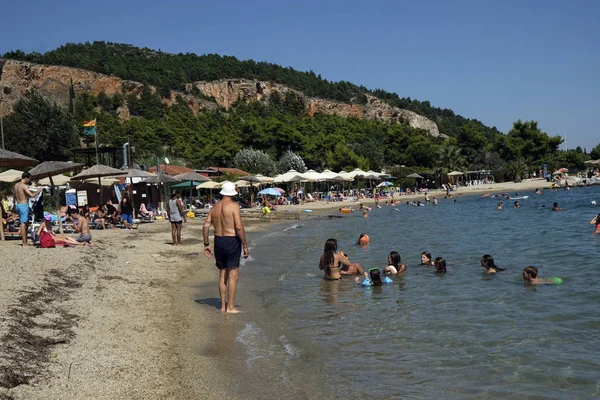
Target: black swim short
[228, 250]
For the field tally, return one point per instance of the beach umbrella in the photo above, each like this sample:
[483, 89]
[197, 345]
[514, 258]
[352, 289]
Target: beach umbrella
[134, 173]
[414, 175]
[11, 175]
[98, 171]
[11, 159]
[59, 180]
[160, 179]
[592, 162]
[49, 169]
[455, 173]
[280, 190]
[384, 184]
[313, 175]
[265, 179]
[270, 192]
[250, 178]
[209, 185]
[192, 177]
[285, 177]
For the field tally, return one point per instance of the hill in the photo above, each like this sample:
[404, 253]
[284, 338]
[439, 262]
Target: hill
[204, 109]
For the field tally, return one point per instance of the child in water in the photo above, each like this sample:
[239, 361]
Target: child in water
[500, 205]
[440, 265]
[395, 265]
[487, 262]
[530, 275]
[363, 240]
[375, 278]
[556, 207]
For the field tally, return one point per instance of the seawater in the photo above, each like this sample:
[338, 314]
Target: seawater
[453, 336]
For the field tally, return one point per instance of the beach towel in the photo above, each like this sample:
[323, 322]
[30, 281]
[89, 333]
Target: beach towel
[46, 240]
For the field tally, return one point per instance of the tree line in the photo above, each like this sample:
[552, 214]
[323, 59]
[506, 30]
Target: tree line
[46, 131]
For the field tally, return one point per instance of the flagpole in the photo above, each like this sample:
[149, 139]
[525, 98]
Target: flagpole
[97, 155]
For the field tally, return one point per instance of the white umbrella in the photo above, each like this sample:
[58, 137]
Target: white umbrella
[285, 177]
[313, 175]
[11, 175]
[58, 180]
[209, 185]
[265, 179]
[455, 173]
[356, 172]
[328, 174]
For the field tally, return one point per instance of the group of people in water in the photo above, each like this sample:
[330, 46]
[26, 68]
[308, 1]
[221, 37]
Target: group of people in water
[336, 264]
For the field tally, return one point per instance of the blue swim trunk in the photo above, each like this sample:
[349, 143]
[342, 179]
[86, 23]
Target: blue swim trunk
[127, 217]
[23, 211]
[228, 250]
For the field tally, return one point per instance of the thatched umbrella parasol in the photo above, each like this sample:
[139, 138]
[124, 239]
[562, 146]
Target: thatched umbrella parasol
[48, 169]
[192, 176]
[98, 171]
[10, 159]
[135, 173]
[161, 179]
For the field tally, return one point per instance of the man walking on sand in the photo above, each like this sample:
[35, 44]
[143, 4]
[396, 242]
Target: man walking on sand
[21, 194]
[230, 239]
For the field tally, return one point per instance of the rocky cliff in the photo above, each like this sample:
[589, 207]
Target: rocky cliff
[17, 77]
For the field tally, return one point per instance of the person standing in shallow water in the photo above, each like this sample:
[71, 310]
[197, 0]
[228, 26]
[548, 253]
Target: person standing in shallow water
[176, 217]
[230, 239]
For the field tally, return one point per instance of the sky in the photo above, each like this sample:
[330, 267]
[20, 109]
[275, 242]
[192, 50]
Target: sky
[495, 61]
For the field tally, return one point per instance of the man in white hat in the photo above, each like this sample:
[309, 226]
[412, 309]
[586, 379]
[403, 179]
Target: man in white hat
[230, 239]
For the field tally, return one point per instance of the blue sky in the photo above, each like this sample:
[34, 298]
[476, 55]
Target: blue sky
[496, 61]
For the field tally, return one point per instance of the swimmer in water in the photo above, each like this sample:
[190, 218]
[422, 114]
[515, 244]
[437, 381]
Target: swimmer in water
[375, 277]
[538, 191]
[555, 207]
[335, 263]
[363, 240]
[500, 206]
[516, 204]
[530, 275]
[487, 262]
[395, 265]
[365, 214]
[596, 221]
[435, 201]
[426, 258]
[440, 265]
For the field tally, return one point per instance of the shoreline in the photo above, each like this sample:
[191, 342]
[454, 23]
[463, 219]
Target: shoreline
[133, 317]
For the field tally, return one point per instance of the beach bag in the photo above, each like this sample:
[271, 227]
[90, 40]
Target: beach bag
[47, 241]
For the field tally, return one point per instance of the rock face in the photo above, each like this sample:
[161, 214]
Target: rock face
[17, 77]
[227, 92]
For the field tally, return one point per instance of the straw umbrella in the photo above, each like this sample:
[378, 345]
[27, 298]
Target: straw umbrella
[134, 173]
[98, 171]
[192, 176]
[11, 159]
[161, 179]
[49, 169]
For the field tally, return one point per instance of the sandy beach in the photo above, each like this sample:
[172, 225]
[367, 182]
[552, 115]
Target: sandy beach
[133, 317]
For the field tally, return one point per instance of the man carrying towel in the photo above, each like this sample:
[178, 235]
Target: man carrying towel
[230, 239]
[21, 194]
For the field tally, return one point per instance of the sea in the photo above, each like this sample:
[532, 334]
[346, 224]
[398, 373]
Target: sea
[459, 335]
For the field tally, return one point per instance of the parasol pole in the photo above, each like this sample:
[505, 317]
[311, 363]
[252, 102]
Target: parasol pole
[57, 202]
[101, 192]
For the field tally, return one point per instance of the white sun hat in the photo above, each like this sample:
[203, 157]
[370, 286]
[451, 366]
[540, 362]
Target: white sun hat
[228, 189]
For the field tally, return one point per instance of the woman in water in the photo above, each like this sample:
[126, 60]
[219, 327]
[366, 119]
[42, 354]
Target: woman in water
[395, 265]
[336, 263]
[487, 262]
[596, 221]
[440, 265]
[426, 258]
